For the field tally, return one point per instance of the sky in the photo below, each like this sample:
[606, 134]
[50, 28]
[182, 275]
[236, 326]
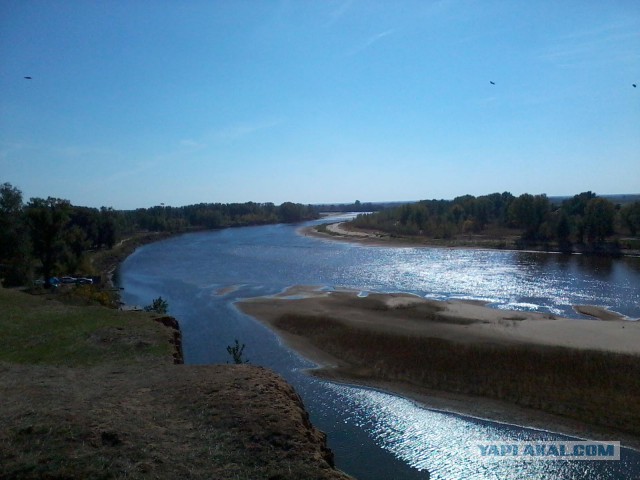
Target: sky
[137, 103]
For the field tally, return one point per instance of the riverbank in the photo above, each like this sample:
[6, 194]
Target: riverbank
[578, 377]
[93, 392]
[106, 261]
[343, 231]
[504, 240]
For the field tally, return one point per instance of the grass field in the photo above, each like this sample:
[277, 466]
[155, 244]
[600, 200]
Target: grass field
[38, 330]
[91, 392]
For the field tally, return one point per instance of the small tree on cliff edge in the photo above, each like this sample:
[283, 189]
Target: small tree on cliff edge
[236, 352]
[159, 305]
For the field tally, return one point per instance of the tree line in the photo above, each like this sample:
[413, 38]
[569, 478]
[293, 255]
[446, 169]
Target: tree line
[356, 206]
[47, 237]
[213, 215]
[584, 219]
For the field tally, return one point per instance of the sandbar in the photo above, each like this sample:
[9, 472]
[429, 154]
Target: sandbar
[343, 231]
[307, 319]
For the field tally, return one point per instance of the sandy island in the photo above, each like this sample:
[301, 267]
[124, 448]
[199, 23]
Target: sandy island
[497, 240]
[342, 231]
[578, 377]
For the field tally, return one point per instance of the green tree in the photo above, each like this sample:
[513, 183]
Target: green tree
[528, 212]
[290, 212]
[457, 214]
[577, 205]
[107, 229]
[75, 242]
[598, 220]
[47, 220]
[575, 208]
[563, 230]
[483, 210]
[159, 305]
[236, 351]
[630, 216]
[14, 240]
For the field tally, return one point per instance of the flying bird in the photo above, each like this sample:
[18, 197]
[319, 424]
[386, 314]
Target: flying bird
[27, 78]
[492, 83]
[634, 85]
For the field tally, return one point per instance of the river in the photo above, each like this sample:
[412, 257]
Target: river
[375, 435]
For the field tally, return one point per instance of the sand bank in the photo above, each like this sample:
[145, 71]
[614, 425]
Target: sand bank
[365, 340]
[600, 313]
[502, 240]
[343, 231]
[460, 320]
[340, 231]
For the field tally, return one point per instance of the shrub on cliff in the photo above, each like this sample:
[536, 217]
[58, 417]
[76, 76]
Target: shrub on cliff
[159, 305]
[236, 351]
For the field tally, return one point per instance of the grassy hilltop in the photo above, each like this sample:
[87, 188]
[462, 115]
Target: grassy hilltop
[91, 392]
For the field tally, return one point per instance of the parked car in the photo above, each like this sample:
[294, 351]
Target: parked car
[53, 281]
[68, 280]
[84, 281]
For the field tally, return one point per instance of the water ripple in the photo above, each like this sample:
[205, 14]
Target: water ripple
[264, 260]
[441, 443]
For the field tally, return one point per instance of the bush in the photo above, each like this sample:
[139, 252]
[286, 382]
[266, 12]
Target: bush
[159, 305]
[236, 352]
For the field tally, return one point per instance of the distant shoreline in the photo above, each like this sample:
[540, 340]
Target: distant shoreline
[342, 231]
[339, 231]
[319, 326]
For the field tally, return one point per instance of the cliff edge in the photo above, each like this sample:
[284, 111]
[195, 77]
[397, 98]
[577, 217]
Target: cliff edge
[89, 392]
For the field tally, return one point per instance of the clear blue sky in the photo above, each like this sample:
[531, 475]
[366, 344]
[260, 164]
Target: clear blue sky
[137, 103]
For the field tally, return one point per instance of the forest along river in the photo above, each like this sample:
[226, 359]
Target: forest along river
[375, 435]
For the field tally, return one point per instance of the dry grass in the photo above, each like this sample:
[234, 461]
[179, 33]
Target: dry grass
[90, 392]
[592, 386]
[216, 422]
[41, 330]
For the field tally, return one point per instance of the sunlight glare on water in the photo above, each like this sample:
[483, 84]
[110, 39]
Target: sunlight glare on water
[511, 280]
[441, 443]
[202, 274]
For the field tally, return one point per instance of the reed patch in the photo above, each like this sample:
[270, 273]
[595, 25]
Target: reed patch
[597, 387]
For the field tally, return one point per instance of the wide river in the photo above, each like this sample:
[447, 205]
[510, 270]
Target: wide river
[375, 435]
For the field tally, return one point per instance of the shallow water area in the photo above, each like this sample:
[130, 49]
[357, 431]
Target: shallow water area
[374, 434]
